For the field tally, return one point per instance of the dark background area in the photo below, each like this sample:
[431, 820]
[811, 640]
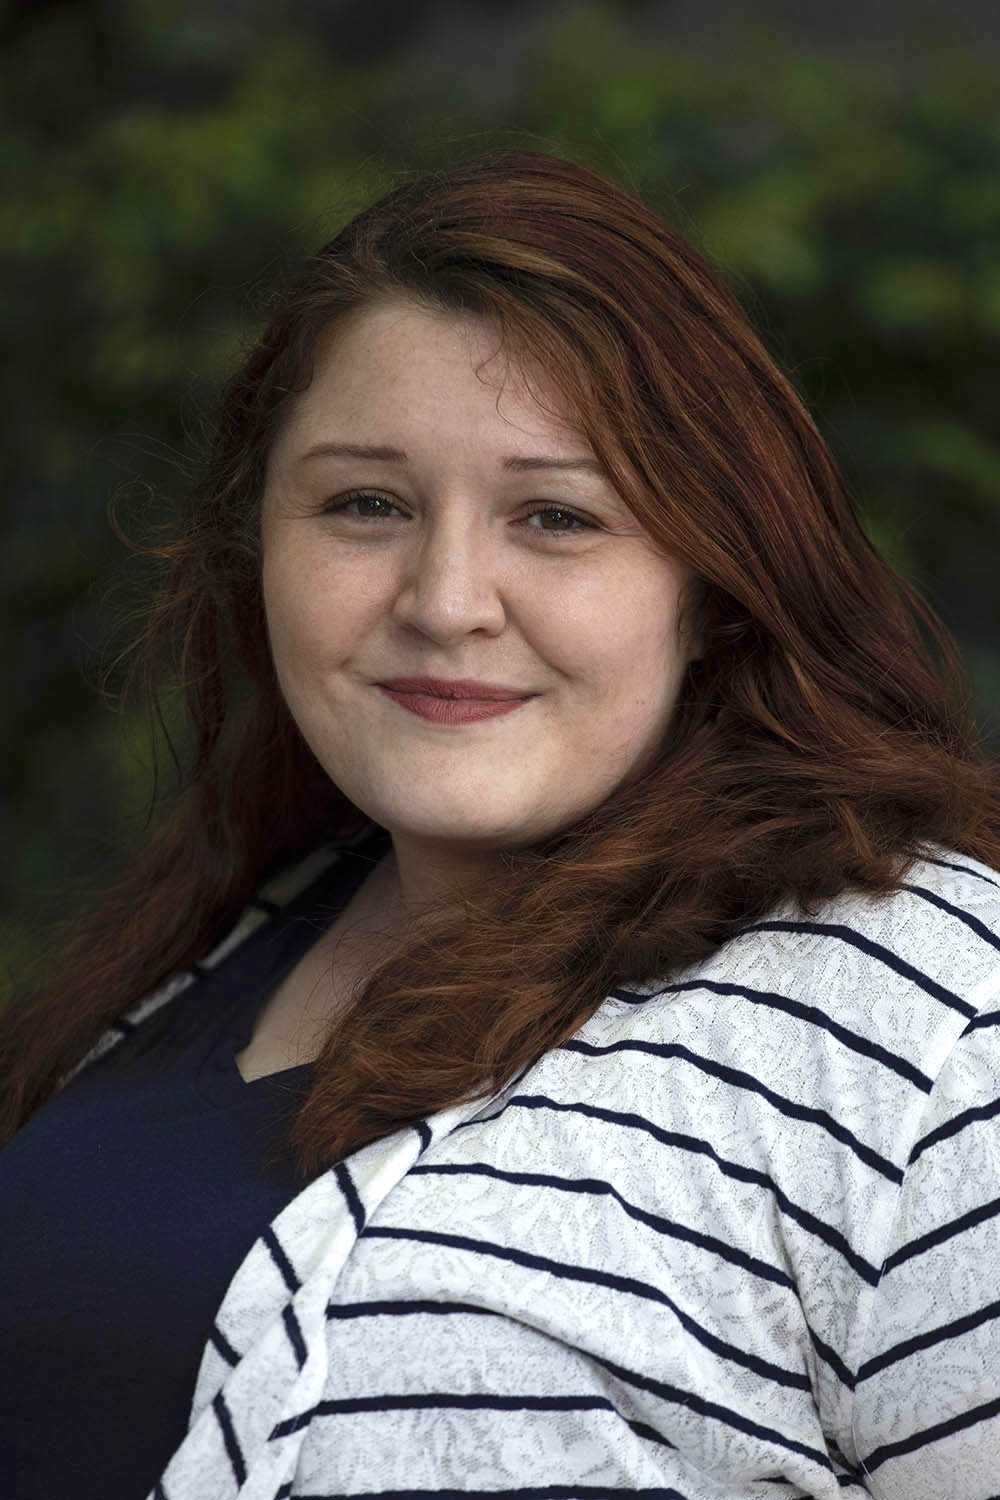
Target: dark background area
[161, 161]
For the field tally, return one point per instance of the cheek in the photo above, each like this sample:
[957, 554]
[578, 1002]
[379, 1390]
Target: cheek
[624, 642]
[309, 615]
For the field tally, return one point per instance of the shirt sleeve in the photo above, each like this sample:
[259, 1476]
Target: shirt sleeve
[927, 1399]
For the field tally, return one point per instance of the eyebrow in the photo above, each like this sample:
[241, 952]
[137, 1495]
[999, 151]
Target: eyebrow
[513, 463]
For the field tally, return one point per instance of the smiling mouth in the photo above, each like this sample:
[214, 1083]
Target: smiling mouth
[432, 707]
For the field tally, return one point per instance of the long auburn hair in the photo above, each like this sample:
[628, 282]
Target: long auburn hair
[818, 744]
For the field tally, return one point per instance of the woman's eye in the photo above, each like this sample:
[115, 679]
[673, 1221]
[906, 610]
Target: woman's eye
[367, 499]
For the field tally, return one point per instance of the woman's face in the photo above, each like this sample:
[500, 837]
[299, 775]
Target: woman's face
[451, 575]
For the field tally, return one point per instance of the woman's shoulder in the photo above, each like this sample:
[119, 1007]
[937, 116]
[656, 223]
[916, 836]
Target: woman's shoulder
[935, 940]
[863, 980]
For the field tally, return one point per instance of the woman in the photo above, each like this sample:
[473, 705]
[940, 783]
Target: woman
[626, 1046]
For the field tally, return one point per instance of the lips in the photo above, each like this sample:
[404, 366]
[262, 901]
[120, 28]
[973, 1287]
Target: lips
[459, 689]
[438, 710]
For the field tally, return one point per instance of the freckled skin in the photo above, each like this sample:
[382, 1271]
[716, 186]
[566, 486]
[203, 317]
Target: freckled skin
[459, 580]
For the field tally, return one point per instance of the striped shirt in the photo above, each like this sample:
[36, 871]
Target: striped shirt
[737, 1237]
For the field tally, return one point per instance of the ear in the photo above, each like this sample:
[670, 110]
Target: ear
[697, 605]
[694, 640]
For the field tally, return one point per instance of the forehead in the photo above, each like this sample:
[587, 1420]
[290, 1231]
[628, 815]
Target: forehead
[407, 365]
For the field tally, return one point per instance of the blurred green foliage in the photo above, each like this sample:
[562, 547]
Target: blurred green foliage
[154, 180]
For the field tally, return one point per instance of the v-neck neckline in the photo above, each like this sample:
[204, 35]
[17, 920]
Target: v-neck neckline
[313, 908]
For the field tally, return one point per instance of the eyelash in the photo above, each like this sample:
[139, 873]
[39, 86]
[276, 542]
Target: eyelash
[335, 507]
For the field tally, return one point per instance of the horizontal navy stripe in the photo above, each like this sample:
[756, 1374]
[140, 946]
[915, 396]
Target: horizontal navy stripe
[523, 1492]
[567, 1271]
[739, 1079]
[489, 1402]
[394, 1307]
[953, 1127]
[671, 1227]
[430, 1400]
[986, 1018]
[875, 950]
[916, 1440]
[952, 1330]
[829, 1356]
[973, 923]
[938, 1236]
[947, 864]
[706, 1408]
[852, 1039]
[599, 1187]
[412, 1307]
[795, 1211]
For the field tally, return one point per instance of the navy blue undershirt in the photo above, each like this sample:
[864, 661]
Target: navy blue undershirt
[127, 1204]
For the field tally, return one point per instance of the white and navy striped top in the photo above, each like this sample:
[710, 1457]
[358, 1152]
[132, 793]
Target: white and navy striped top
[738, 1237]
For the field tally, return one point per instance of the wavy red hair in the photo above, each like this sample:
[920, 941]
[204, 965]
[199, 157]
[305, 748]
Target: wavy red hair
[820, 743]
